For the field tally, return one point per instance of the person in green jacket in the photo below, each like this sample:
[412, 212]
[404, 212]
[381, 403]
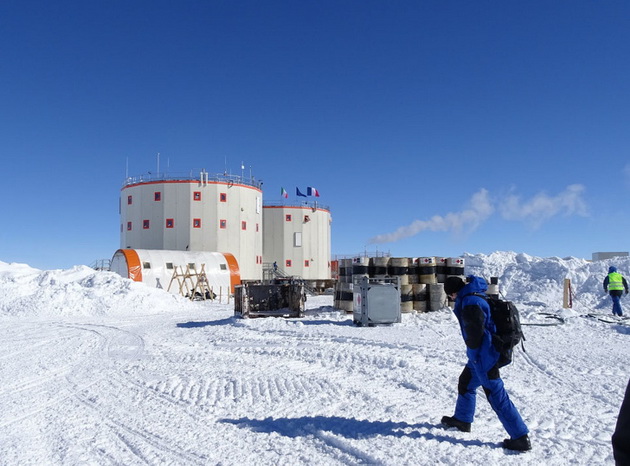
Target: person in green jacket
[614, 285]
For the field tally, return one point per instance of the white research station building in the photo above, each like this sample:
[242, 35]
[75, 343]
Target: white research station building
[219, 214]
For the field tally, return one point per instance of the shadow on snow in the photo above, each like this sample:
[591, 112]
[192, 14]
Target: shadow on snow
[348, 428]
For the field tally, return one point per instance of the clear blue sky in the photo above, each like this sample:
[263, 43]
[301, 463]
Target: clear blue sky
[430, 128]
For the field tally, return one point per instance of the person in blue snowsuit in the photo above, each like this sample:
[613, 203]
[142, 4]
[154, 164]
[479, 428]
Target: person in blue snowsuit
[477, 327]
[614, 285]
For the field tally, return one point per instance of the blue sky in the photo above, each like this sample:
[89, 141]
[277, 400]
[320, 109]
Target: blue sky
[430, 128]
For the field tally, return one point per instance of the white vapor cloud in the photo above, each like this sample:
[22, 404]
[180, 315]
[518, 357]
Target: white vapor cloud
[543, 207]
[533, 212]
[480, 209]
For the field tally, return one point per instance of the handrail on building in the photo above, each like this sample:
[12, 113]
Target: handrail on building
[202, 177]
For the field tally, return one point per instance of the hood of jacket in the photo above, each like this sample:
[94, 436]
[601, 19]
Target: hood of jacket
[474, 285]
[612, 269]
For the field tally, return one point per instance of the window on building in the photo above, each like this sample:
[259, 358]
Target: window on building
[157, 196]
[307, 219]
[307, 263]
[170, 223]
[146, 265]
[223, 197]
[197, 196]
[129, 200]
[145, 224]
[223, 224]
[191, 265]
[128, 226]
[169, 265]
[297, 239]
[196, 223]
[287, 263]
[257, 228]
[243, 225]
[223, 266]
[287, 217]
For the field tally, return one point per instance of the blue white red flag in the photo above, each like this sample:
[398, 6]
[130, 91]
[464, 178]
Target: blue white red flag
[310, 191]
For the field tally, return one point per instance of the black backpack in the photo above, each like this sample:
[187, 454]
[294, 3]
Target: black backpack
[507, 321]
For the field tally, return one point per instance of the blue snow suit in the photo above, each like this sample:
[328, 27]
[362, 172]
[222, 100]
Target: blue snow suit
[473, 314]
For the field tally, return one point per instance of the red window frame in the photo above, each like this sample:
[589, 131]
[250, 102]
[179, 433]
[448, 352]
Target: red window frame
[146, 224]
[196, 195]
[288, 217]
[287, 263]
[306, 263]
[157, 196]
[129, 226]
[222, 224]
[129, 200]
[170, 223]
[196, 223]
[223, 197]
[243, 225]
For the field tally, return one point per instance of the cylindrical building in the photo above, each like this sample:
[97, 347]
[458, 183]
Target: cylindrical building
[297, 238]
[220, 213]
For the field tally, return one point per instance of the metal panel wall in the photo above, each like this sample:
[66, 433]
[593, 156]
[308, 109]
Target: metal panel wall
[202, 216]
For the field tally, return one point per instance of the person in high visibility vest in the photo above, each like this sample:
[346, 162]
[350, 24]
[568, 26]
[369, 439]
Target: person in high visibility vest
[614, 285]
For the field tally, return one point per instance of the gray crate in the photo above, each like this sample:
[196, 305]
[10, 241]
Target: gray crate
[376, 301]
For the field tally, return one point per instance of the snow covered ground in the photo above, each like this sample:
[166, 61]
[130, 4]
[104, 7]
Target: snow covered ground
[96, 369]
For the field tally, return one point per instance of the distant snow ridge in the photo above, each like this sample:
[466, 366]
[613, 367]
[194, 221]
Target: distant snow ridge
[540, 281]
[532, 282]
[25, 291]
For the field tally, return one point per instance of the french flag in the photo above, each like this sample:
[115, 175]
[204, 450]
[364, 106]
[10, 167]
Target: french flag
[310, 191]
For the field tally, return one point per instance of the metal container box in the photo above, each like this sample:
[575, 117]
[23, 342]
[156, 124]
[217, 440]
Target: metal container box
[282, 299]
[376, 301]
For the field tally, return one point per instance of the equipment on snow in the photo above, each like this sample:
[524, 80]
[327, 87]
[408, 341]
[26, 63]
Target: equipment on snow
[376, 301]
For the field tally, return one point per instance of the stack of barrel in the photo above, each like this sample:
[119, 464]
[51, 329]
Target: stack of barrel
[421, 279]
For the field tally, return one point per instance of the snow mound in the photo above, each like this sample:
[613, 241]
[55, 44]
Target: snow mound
[539, 282]
[532, 282]
[25, 291]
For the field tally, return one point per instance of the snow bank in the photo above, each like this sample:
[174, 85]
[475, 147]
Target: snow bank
[530, 281]
[25, 291]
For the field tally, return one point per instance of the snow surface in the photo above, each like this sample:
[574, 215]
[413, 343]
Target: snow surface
[97, 369]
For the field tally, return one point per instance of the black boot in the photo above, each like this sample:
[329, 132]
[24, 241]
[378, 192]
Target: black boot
[459, 425]
[519, 444]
